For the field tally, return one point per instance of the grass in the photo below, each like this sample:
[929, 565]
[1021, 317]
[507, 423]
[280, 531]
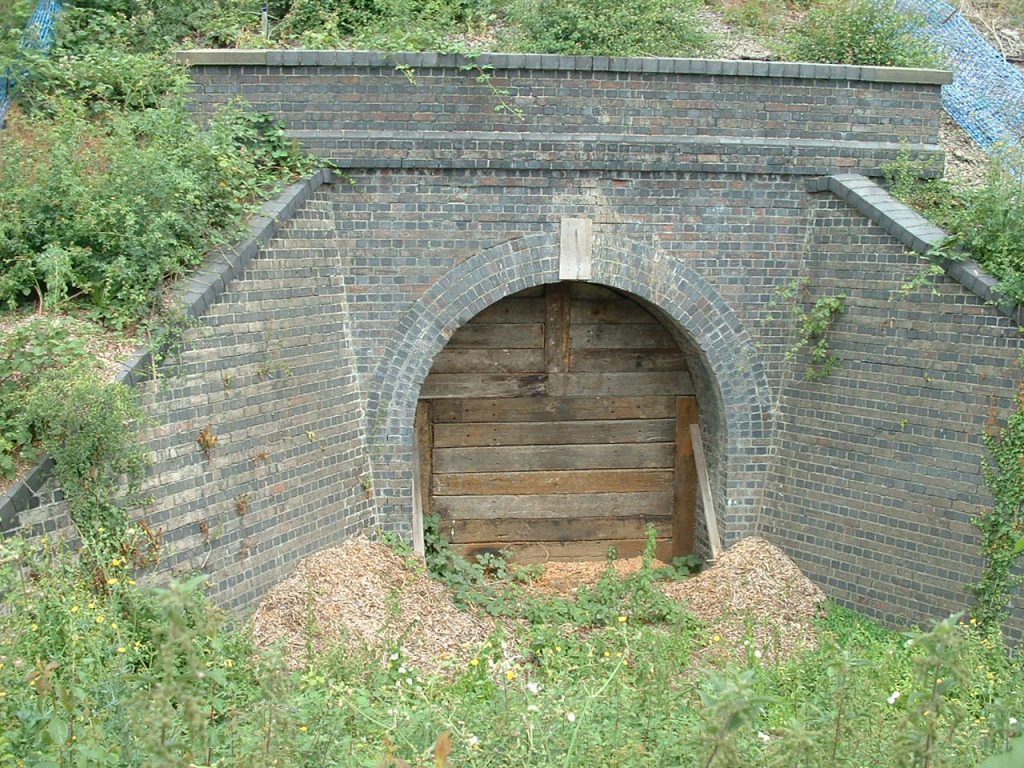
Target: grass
[96, 670]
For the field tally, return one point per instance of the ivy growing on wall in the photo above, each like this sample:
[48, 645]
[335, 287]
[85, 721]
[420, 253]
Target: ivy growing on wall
[1002, 524]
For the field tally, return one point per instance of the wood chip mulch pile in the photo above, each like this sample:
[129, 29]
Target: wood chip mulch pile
[364, 594]
[755, 600]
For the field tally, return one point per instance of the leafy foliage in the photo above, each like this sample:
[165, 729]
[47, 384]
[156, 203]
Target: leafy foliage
[609, 27]
[862, 32]
[103, 211]
[813, 326]
[29, 353]
[88, 427]
[95, 670]
[985, 222]
[1002, 525]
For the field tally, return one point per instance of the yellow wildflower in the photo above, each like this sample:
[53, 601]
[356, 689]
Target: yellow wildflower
[474, 662]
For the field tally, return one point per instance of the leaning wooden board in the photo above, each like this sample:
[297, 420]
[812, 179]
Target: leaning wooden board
[549, 427]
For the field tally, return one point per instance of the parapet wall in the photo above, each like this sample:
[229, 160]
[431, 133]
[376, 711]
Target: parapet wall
[405, 110]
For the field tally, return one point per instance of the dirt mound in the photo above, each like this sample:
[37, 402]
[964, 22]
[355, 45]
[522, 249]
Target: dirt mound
[756, 600]
[363, 593]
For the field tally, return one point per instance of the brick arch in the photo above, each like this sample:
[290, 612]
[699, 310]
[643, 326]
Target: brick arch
[737, 388]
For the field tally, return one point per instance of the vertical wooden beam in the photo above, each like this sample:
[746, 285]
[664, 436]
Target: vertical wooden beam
[557, 343]
[423, 470]
[707, 500]
[684, 481]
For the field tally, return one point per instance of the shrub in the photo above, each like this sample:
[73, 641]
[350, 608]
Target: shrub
[986, 222]
[103, 211]
[609, 27]
[866, 32]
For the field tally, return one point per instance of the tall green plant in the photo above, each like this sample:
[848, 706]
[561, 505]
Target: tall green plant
[866, 32]
[609, 27]
[88, 427]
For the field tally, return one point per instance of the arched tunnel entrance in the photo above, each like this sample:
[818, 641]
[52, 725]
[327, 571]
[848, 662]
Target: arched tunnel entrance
[555, 423]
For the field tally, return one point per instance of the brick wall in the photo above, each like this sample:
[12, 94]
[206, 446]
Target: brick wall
[696, 176]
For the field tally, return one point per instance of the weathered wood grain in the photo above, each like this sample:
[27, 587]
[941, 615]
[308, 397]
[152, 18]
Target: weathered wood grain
[520, 458]
[468, 360]
[562, 530]
[499, 336]
[611, 360]
[555, 433]
[540, 482]
[553, 409]
[601, 336]
[525, 553]
[656, 504]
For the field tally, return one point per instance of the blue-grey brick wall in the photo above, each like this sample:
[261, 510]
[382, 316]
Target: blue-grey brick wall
[711, 185]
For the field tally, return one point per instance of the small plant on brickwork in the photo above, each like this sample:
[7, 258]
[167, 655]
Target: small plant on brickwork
[813, 326]
[1002, 524]
[207, 441]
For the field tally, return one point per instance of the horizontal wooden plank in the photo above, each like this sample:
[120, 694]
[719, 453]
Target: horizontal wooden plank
[611, 360]
[603, 336]
[566, 481]
[526, 458]
[525, 553]
[457, 508]
[616, 312]
[553, 409]
[465, 360]
[462, 385]
[624, 384]
[499, 336]
[559, 529]
[555, 433]
[513, 310]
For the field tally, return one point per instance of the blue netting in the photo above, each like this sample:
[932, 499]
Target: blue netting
[986, 96]
[38, 35]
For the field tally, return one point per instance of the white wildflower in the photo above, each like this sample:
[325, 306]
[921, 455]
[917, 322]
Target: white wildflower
[893, 697]
[570, 716]
[533, 687]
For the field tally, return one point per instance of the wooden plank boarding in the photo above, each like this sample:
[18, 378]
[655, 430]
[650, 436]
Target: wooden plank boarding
[557, 424]
[707, 500]
[561, 529]
[540, 482]
[555, 433]
[684, 485]
[423, 452]
[468, 410]
[526, 458]
[578, 505]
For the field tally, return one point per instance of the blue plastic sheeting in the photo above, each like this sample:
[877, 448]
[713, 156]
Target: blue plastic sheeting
[39, 32]
[986, 96]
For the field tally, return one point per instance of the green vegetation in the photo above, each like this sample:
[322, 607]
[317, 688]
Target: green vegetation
[609, 27]
[108, 189]
[96, 670]
[812, 325]
[866, 32]
[985, 222]
[1002, 525]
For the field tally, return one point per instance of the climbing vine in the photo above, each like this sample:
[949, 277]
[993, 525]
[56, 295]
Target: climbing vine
[813, 326]
[1002, 525]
